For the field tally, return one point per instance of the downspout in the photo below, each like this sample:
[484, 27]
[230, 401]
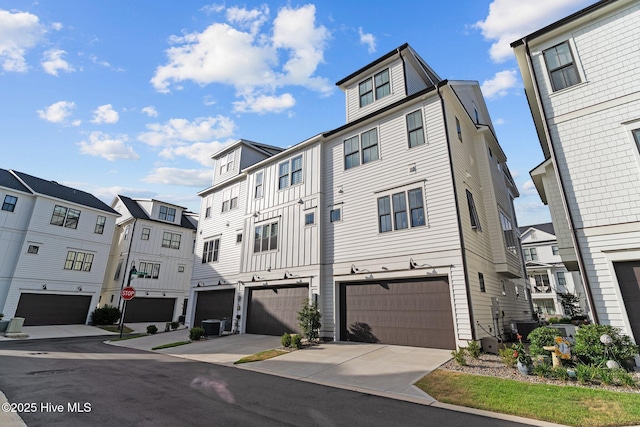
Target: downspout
[563, 194]
[455, 198]
[126, 265]
[404, 72]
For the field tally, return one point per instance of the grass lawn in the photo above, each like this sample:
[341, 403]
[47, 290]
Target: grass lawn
[574, 406]
[116, 328]
[263, 355]
[173, 344]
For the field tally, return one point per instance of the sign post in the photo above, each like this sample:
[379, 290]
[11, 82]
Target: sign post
[127, 293]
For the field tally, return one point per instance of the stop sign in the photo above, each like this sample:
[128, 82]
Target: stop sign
[128, 293]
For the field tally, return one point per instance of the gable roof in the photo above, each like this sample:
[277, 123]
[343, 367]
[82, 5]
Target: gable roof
[547, 227]
[62, 192]
[137, 212]
[9, 181]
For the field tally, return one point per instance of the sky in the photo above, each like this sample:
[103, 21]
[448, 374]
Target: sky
[133, 97]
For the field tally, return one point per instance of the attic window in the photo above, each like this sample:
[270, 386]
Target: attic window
[382, 88]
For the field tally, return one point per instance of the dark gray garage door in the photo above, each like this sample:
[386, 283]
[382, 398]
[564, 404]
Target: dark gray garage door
[142, 309]
[629, 279]
[213, 305]
[274, 310]
[413, 313]
[48, 309]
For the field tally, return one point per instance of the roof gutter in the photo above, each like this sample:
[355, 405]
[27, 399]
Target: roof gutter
[563, 193]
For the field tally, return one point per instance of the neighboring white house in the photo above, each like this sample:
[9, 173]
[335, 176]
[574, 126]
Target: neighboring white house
[400, 223]
[157, 239]
[54, 242]
[549, 279]
[582, 79]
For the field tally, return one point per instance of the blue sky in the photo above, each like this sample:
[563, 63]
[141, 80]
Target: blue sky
[133, 97]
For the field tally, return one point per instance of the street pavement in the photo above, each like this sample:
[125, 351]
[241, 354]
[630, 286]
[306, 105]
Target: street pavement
[376, 369]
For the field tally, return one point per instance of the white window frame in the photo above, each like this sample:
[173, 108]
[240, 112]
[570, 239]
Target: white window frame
[360, 140]
[287, 175]
[167, 214]
[68, 219]
[100, 223]
[171, 240]
[211, 250]
[333, 211]
[309, 218]
[265, 239]
[78, 261]
[372, 88]
[230, 198]
[146, 233]
[226, 162]
[258, 191]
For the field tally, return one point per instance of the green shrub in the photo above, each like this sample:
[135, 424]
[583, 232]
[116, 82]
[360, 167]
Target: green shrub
[585, 373]
[285, 340]
[296, 341]
[474, 349]
[541, 337]
[559, 373]
[459, 356]
[591, 351]
[309, 320]
[107, 315]
[152, 329]
[175, 325]
[507, 357]
[196, 333]
[542, 370]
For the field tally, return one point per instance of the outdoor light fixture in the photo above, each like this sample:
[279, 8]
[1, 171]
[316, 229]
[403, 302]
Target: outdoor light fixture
[301, 202]
[288, 275]
[44, 286]
[80, 288]
[256, 278]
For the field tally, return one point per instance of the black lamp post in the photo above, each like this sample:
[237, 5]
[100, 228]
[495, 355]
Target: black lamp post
[124, 305]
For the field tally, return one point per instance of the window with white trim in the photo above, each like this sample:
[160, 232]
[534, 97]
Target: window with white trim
[167, 213]
[126, 232]
[230, 198]
[100, 222]
[555, 250]
[310, 218]
[226, 162]
[404, 214]
[473, 212]
[361, 149]
[415, 130]
[458, 129]
[481, 281]
[542, 285]
[335, 215]
[210, 250]
[290, 172]
[171, 240]
[509, 235]
[207, 209]
[146, 232]
[265, 237]
[33, 249]
[382, 88]
[9, 203]
[562, 280]
[78, 261]
[66, 217]
[181, 269]
[149, 270]
[561, 66]
[258, 190]
[116, 276]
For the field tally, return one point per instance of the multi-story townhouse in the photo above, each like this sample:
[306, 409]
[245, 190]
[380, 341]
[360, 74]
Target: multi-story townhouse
[400, 223]
[583, 87]
[549, 279]
[156, 239]
[55, 243]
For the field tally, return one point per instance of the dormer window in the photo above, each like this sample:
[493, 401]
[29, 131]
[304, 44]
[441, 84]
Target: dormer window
[167, 214]
[226, 163]
[382, 88]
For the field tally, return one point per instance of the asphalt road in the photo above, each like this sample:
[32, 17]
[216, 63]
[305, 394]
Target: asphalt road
[83, 382]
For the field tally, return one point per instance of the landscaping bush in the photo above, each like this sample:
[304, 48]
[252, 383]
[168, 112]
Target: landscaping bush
[458, 356]
[309, 320]
[589, 350]
[175, 325]
[296, 341]
[559, 373]
[285, 340]
[474, 349]
[152, 329]
[196, 333]
[542, 337]
[507, 357]
[107, 315]
[542, 370]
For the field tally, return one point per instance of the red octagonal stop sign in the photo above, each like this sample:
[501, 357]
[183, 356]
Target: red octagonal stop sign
[128, 293]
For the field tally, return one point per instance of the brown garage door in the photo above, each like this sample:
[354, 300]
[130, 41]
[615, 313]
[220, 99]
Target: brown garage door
[628, 274]
[49, 309]
[213, 305]
[142, 309]
[274, 310]
[413, 313]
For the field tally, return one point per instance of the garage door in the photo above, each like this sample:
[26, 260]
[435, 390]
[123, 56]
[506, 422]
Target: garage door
[412, 313]
[274, 310]
[628, 274]
[213, 305]
[49, 309]
[142, 309]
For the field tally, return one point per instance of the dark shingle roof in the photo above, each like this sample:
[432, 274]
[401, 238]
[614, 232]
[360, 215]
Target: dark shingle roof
[62, 192]
[136, 211]
[186, 222]
[547, 227]
[9, 181]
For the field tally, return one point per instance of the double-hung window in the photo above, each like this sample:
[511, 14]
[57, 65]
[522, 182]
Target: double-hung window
[167, 214]
[257, 193]
[415, 132]
[146, 232]
[230, 198]
[226, 163]
[562, 281]
[395, 214]
[561, 66]
[149, 270]
[509, 235]
[66, 217]
[9, 203]
[171, 240]
[382, 88]
[210, 250]
[78, 261]
[290, 172]
[265, 237]
[367, 143]
[100, 222]
[473, 212]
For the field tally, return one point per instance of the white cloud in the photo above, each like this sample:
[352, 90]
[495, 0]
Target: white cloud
[265, 104]
[110, 148]
[213, 8]
[105, 114]
[500, 84]
[57, 26]
[509, 20]
[173, 176]
[200, 152]
[367, 39]
[107, 194]
[529, 188]
[58, 112]
[52, 62]
[499, 121]
[19, 32]
[243, 55]
[150, 111]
